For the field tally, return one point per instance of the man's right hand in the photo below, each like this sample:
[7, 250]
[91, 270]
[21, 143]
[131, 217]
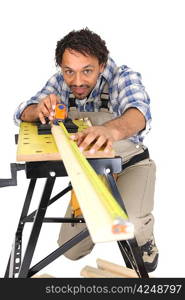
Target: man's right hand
[44, 109]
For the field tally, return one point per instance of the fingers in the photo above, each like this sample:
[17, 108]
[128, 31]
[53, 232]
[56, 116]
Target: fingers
[95, 138]
[42, 118]
[54, 100]
[108, 147]
[79, 137]
[90, 139]
[98, 144]
[46, 107]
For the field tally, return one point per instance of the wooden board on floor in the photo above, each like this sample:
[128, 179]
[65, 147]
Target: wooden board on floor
[117, 269]
[45, 275]
[91, 272]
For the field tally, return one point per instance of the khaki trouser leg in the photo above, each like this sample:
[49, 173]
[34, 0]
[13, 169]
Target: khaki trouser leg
[67, 232]
[136, 185]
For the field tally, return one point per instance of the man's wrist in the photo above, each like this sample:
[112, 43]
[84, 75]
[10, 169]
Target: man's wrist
[30, 113]
[114, 131]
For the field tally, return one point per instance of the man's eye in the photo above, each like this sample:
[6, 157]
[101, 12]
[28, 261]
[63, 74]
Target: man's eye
[68, 72]
[86, 72]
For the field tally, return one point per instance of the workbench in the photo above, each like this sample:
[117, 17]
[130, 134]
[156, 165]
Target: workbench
[19, 264]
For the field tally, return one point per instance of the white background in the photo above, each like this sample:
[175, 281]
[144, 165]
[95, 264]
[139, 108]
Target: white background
[146, 35]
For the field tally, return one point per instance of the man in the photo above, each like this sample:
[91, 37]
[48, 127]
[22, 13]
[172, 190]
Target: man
[87, 76]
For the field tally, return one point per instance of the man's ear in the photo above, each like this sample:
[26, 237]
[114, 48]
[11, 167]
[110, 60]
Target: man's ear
[102, 67]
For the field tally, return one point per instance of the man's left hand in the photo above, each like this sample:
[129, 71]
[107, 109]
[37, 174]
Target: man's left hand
[98, 136]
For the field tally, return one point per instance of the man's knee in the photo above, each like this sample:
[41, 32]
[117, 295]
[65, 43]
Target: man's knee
[80, 250]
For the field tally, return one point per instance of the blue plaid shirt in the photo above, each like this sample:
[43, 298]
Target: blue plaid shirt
[125, 91]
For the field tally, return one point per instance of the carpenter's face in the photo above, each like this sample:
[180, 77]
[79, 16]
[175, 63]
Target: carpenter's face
[80, 72]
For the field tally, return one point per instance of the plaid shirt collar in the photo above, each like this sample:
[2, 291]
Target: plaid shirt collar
[109, 70]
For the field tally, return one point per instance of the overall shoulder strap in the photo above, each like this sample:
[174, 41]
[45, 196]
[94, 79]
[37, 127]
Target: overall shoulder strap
[71, 102]
[104, 97]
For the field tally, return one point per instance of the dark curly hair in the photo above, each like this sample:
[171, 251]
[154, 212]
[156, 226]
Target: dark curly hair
[83, 41]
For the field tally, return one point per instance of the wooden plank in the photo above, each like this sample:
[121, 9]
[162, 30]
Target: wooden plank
[91, 272]
[100, 209]
[117, 269]
[45, 275]
[108, 269]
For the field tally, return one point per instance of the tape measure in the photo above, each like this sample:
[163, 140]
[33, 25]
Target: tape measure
[104, 217]
[60, 112]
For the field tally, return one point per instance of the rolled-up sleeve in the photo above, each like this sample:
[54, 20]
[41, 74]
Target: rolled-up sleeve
[132, 94]
[51, 87]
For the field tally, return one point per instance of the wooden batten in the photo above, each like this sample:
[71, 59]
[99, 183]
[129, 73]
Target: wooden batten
[91, 272]
[117, 269]
[91, 193]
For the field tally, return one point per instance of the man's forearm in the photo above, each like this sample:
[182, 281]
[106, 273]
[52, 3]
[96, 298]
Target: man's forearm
[30, 113]
[131, 122]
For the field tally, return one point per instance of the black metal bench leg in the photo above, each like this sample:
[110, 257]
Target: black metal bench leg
[58, 252]
[132, 257]
[129, 248]
[15, 255]
[24, 269]
[124, 251]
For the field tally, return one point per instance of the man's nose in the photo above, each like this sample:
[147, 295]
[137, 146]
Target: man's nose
[78, 80]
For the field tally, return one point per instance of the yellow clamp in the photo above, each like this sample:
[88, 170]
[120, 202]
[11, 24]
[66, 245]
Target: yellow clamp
[76, 211]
